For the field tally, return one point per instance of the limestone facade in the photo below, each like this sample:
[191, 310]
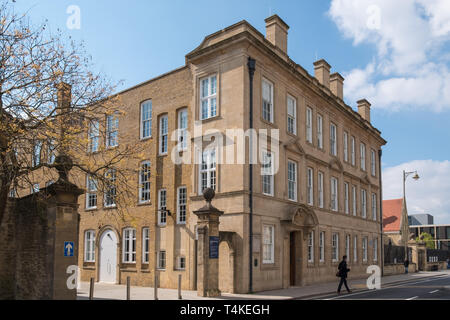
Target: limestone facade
[294, 240]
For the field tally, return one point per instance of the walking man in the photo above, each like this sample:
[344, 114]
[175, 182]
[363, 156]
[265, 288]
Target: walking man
[406, 264]
[342, 273]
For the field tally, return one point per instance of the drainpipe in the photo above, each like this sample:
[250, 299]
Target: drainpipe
[251, 71]
[380, 152]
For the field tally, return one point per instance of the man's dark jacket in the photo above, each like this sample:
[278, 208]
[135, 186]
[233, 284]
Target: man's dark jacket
[343, 270]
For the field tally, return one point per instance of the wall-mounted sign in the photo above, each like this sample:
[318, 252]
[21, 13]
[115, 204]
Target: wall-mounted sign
[68, 249]
[213, 247]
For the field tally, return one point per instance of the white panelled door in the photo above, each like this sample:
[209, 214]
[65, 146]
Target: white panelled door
[108, 257]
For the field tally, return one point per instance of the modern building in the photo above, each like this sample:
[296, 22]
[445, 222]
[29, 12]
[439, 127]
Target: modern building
[439, 232]
[315, 197]
[420, 219]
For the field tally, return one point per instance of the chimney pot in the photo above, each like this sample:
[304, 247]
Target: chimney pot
[277, 32]
[322, 72]
[364, 109]
[337, 85]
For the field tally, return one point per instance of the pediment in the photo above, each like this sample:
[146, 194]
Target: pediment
[303, 216]
[336, 164]
[365, 179]
[294, 145]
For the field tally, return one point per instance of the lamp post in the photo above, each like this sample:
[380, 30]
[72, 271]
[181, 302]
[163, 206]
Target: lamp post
[405, 214]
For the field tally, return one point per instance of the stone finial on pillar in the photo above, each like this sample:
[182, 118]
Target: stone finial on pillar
[208, 247]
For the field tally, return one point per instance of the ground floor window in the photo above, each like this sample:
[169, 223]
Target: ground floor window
[181, 263]
[335, 247]
[311, 247]
[129, 245]
[268, 244]
[145, 244]
[364, 247]
[162, 260]
[89, 246]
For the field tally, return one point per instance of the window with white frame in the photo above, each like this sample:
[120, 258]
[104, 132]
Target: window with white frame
[319, 131]
[93, 136]
[352, 147]
[146, 119]
[309, 186]
[110, 188]
[333, 143]
[364, 248]
[355, 248]
[373, 162]
[346, 198]
[162, 260]
[12, 193]
[354, 200]
[181, 205]
[334, 194]
[145, 245]
[322, 246]
[309, 124]
[375, 249]
[267, 100]
[144, 182]
[291, 115]
[347, 246]
[363, 203]
[292, 180]
[51, 147]
[129, 245]
[182, 129]
[35, 188]
[363, 156]
[311, 247]
[91, 195]
[207, 170]
[335, 247]
[112, 131]
[36, 157]
[374, 206]
[181, 262]
[89, 246]
[162, 213]
[208, 97]
[345, 146]
[268, 244]
[163, 134]
[267, 173]
[320, 187]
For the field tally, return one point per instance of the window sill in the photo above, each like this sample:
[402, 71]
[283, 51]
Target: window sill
[148, 203]
[217, 117]
[110, 207]
[161, 269]
[293, 135]
[146, 138]
[91, 209]
[162, 225]
[272, 124]
[162, 154]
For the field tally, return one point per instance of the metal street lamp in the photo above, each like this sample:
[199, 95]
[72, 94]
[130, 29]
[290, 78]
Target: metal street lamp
[405, 214]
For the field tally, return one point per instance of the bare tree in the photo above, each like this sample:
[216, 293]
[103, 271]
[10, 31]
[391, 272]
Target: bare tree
[52, 103]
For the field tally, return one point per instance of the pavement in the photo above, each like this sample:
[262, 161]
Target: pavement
[437, 279]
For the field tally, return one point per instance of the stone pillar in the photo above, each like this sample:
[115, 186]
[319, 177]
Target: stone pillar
[63, 212]
[208, 247]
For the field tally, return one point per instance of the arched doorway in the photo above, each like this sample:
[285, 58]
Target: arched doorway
[108, 257]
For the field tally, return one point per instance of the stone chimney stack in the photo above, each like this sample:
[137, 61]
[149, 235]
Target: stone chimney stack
[322, 72]
[364, 109]
[277, 32]
[337, 85]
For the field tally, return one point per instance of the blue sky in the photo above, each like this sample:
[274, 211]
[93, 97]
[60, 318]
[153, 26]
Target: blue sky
[394, 53]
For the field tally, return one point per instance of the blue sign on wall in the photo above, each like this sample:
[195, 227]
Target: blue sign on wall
[68, 248]
[213, 247]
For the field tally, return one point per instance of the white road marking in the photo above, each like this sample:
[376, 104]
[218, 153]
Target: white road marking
[389, 287]
[412, 298]
[434, 291]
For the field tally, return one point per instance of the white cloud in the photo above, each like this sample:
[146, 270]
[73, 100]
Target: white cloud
[409, 68]
[430, 194]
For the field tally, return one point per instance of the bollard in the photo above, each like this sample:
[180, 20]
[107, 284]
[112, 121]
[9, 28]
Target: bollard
[128, 288]
[155, 285]
[91, 290]
[179, 287]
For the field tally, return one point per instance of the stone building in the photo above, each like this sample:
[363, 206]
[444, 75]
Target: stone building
[395, 222]
[321, 203]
